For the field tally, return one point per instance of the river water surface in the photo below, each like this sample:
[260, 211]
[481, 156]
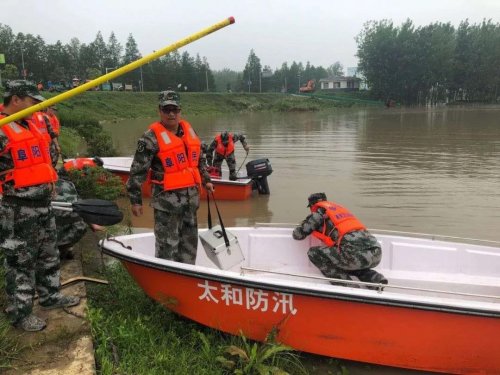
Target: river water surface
[417, 170]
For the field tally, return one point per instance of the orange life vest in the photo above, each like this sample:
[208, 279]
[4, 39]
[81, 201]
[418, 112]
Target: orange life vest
[221, 149]
[79, 163]
[179, 156]
[30, 154]
[54, 121]
[38, 119]
[341, 218]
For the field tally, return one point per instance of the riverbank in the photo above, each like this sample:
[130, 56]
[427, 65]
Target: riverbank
[65, 345]
[106, 106]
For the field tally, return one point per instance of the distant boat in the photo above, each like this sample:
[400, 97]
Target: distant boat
[225, 189]
[440, 311]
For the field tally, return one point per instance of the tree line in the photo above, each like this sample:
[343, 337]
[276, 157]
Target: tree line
[409, 64]
[29, 56]
[433, 63]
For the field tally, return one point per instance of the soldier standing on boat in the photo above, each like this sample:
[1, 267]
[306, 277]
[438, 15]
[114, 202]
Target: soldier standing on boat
[223, 145]
[348, 250]
[27, 224]
[171, 151]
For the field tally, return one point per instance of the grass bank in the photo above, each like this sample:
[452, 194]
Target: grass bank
[115, 105]
[136, 335]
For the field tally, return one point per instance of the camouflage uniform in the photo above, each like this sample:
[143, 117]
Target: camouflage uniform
[28, 237]
[176, 223]
[28, 240]
[230, 159]
[70, 226]
[359, 250]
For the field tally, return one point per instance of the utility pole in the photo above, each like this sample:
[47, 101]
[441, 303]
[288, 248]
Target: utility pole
[141, 87]
[298, 75]
[22, 62]
[206, 76]
[260, 82]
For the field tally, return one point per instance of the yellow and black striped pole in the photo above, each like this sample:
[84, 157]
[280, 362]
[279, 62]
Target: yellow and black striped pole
[116, 73]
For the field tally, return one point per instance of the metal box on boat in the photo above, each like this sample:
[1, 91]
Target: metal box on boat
[217, 251]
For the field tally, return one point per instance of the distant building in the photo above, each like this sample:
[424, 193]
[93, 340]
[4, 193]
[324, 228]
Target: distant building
[340, 83]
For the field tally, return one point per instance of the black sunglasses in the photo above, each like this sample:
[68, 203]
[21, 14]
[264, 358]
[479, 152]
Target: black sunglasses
[167, 110]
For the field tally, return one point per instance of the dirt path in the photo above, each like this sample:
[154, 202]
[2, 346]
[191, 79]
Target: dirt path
[65, 345]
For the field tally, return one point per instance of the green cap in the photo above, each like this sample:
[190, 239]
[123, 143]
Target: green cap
[169, 97]
[22, 88]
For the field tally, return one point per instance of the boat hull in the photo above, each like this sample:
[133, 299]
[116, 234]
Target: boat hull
[357, 329]
[224, 189]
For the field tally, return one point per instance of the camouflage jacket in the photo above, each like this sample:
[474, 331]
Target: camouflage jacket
[37, 192]
[361, 239]
[145, 159]
[315, 222]
[236, 137]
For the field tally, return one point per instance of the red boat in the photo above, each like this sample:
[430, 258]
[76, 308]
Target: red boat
[225, 189]
[440, 311]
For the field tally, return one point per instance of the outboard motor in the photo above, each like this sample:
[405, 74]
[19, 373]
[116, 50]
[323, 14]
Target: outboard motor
[258, 170]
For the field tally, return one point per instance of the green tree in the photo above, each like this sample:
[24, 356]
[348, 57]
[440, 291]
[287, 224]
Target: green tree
[73, 49]
[99, 51]
[10, 72]
[252, 72]
[226, 79]
[131, 54]
[335, 70]
[114, 51]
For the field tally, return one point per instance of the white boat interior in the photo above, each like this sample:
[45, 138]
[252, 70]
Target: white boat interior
[420, 269]
[123, 163]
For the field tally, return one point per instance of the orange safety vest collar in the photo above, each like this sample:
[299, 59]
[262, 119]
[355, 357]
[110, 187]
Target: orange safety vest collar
[30, 154]
[221, 149]
[342, 219]
[179, 156]
[79, 163]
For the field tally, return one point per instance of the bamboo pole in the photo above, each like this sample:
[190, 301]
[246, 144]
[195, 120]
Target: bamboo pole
[116, 73]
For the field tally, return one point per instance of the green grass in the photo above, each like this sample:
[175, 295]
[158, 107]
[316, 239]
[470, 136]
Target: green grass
[115, 105]
[135, 335]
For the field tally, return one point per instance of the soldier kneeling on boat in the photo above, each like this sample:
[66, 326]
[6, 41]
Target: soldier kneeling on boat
[349, 249]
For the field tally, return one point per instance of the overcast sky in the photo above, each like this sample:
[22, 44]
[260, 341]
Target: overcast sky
[319, 31]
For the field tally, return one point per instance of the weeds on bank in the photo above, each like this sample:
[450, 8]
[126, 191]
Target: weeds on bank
[135, 335]
[270, 357]
[97, 183]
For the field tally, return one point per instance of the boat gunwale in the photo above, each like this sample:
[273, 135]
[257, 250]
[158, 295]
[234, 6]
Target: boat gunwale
[235, 278]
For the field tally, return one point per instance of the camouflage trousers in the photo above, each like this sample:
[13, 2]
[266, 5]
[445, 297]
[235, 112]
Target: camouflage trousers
[176, 235]
[70, 233]
[231, 163]
[28, 240]
[358, 253]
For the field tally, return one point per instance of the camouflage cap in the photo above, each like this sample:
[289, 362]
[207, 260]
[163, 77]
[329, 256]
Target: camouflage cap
[22, 88]
[315, 198]
[169, 97]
